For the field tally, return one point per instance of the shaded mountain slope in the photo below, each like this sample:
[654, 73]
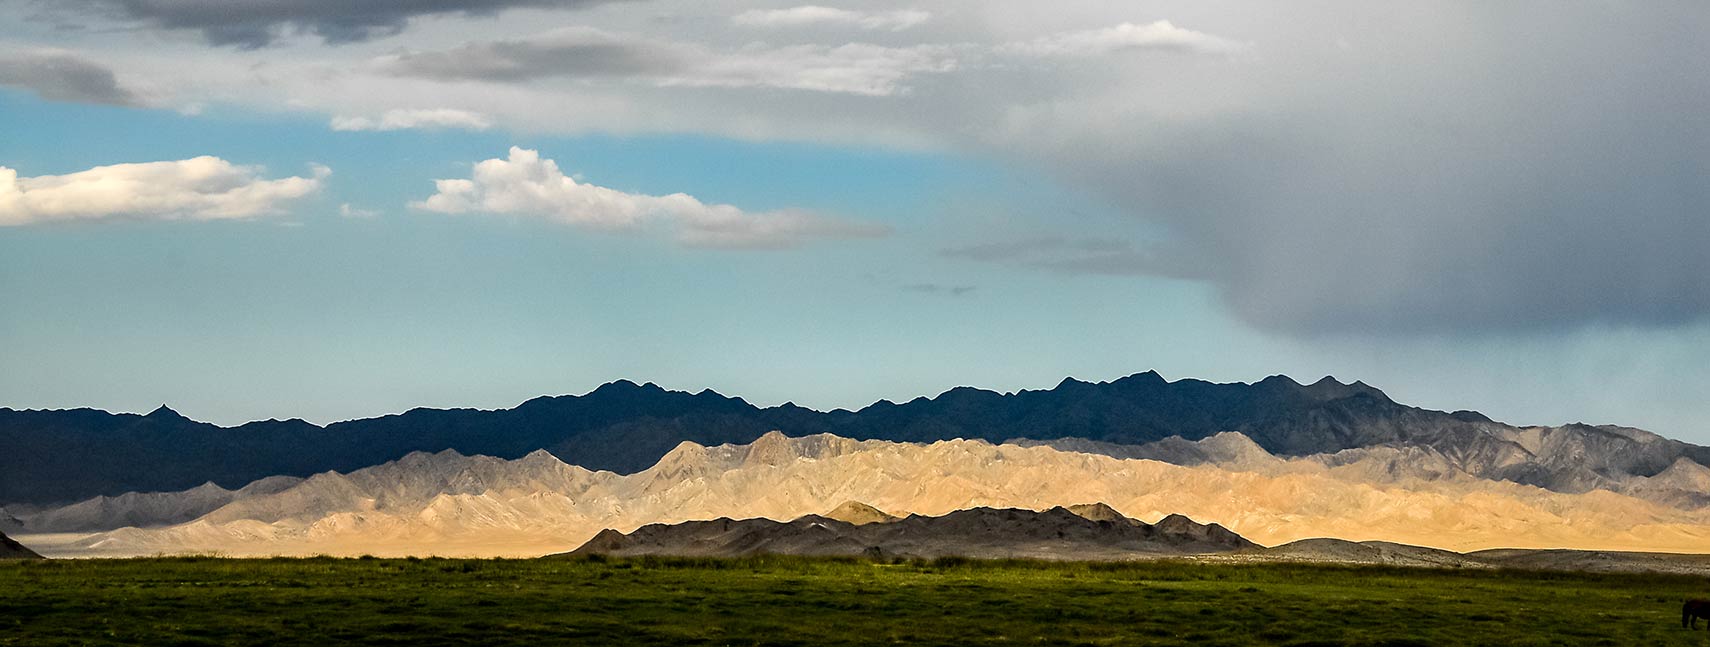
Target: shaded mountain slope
[147, 509]
[10, 549]
[63, 456]
[1056, 533]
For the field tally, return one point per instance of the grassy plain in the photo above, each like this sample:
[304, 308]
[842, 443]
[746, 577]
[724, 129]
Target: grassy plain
[798, 601]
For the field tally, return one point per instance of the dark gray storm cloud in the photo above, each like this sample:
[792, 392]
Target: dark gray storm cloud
[63, 77]
[575, 53]
[257, 23]
[1488, 168]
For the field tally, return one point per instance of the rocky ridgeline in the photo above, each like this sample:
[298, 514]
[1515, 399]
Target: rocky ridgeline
[1084, 532]
[57, 457]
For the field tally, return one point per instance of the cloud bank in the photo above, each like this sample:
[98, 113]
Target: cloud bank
[1159, 35]
[1424, 178]
[258, 23]
[420, 119]
[63, 76]
[581, 53]
[200, 188]
[524, 184]
[809, 15]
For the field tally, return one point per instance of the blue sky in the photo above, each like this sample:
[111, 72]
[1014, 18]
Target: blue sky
[982, 196]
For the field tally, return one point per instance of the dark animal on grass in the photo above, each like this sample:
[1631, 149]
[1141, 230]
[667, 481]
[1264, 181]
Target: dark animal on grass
[1692, 611]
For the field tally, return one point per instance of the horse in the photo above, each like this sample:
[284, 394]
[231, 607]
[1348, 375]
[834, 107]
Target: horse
[1692, 611]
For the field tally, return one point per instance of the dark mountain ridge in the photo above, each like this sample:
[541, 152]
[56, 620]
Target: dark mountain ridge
[1058, 533]
[11, 549]
[67, 455]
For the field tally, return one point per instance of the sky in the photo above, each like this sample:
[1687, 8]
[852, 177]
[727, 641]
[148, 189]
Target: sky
[329, 210]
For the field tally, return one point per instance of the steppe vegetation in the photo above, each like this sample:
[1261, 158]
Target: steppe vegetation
[799, 601]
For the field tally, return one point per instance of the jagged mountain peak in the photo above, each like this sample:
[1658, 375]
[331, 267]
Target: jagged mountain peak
[165, 413]
[771, 448]
[1098, 512]
[1176, 519]
[421, 457]
[1071, 382]
[687, 448]
[541, 456]
[858, 513]
[209, 487]
[617, 385]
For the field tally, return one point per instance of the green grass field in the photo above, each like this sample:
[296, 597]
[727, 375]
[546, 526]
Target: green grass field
[792, 601]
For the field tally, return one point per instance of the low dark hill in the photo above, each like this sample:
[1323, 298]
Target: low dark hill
[66, 455]
[978, 532]
[10, 549]
[1383, 553]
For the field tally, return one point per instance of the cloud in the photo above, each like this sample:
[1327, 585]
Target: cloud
[585, 54]
[1421, 169]
[257, 23]
[573, 52]
[63, 76]
[348, 211]
[1159, 35]
[808, 15]
[428, 119]
[200, 188]
[1432, 178]
[524, 184]
[855, 68]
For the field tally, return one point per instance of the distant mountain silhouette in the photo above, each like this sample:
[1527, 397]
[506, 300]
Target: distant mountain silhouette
[67, 455]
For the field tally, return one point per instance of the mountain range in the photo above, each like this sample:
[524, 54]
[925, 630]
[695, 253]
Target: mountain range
[62, 456]
[450, 504]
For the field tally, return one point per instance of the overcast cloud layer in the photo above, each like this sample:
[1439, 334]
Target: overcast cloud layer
[258, 23]
[1331, 168]
[1473, 168]
[582, 54]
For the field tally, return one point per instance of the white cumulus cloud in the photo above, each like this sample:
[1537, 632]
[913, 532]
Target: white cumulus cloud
[200, 188]
[425, 119]
[1159, 35]
[816, 15]
[525, 184]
